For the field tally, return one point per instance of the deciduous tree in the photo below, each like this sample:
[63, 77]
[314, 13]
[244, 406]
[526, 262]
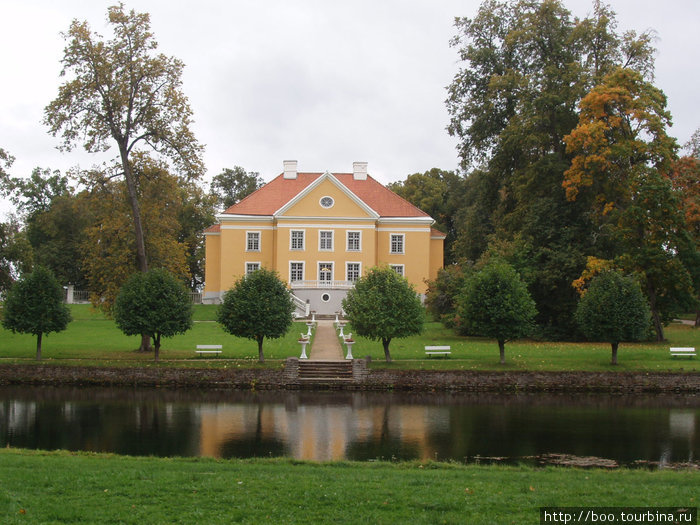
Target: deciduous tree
[34, 305]
[613, 310]
[383, 306]
[154, 303]
[257, 306]
[495, 303]
[233, 185]
[121, 93]
[621, 154]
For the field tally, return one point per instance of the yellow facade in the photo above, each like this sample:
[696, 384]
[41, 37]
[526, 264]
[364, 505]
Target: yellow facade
[323, 237]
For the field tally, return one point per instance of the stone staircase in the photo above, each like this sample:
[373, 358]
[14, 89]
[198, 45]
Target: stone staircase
[325, 372]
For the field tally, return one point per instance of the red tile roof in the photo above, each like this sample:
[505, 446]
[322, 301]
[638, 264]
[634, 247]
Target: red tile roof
[279, 191]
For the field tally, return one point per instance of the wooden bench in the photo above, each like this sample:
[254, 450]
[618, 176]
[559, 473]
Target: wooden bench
[214, 350]
[683, 352]
[443, 351]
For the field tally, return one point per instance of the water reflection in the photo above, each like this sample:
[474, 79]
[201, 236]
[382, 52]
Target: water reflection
[325, 426]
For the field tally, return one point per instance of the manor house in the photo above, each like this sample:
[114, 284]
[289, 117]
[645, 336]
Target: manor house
[320, 231]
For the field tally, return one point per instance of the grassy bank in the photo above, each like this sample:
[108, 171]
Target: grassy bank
[61, 487]
[91, 339]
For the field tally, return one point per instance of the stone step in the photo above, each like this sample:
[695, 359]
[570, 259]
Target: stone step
[312, 370]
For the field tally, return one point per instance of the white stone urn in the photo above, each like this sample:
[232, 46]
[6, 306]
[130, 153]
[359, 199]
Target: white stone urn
[303, 343]
[349, 343]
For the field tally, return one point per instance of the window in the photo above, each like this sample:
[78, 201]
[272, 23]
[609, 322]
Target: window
[297, 240]
[398, 268]
[397, 243]
[353, 241]
[325, 272]
[325, 240]
[326, 202]
[251, 267]
[352, 271]
[296, 271]
[253, 242]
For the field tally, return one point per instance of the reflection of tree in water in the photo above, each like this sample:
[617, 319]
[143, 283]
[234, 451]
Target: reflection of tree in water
[382, 446]
[135, 427]
[253, 445]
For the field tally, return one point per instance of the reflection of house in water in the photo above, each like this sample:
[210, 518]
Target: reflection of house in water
[321, 431]
[681, 426]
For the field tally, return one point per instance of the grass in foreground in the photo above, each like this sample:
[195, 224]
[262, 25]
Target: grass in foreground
[62, 487]
[91, 339]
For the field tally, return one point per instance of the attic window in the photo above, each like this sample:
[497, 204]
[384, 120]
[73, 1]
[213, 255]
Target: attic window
[326, 202]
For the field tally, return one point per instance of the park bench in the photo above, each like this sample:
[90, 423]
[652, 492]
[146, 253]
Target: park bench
[683, 352]
[443, 351]
[214, 350]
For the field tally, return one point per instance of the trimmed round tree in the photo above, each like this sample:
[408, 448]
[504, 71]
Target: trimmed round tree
[154, 303]
[383, 306]
[613, 310]
[495, 303]
[34, 305]
[257, 306]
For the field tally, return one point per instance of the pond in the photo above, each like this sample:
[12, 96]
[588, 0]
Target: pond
[600, 430]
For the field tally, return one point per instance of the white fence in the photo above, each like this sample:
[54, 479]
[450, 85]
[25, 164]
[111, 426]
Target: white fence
[71, 296]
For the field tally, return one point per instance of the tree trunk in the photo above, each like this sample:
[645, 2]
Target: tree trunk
[261, 357]
[141, 259]
[145, 343]
[697, 318]
[38, 346]
[655, 316]
[387, 354]
[502, 350]
[156, 345]
[614, 353]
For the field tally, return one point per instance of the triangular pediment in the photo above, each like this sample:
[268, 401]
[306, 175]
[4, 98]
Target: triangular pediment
[326, 197]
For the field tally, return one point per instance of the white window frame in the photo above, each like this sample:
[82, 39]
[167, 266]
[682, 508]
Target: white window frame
[359, 241]
[319, 271]
[399, 268]
[303, 240]
[256, 263]
[320, 241]
[347, 270]
[391, 243]
[303, 270]
[248, 237]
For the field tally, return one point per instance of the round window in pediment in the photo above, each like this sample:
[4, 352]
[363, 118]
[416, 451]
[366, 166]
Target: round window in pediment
[327, 202]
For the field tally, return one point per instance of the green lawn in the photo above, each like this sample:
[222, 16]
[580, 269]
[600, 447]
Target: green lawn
[93, 339]
[62, 487]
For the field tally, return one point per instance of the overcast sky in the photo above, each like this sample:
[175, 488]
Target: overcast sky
[323, 82]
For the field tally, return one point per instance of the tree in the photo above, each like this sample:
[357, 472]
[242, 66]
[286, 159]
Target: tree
[383, 306]
[614, 310]
[621, 156]
[524, 67]
[121, 93]
[441, 297]
[15, 253]
[233, 185]
[495, 303]
[257, 306]
[154, 303]
[438, 193]
[34, 305]
[108, 246]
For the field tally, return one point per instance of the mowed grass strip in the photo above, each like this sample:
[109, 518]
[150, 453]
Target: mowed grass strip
[63, 487]
[92, 339]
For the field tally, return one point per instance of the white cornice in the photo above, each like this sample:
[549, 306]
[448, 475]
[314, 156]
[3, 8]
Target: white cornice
[241, 218]
[404, 220]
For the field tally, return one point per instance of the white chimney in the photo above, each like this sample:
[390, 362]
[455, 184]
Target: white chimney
[359, 170]
[290, 169]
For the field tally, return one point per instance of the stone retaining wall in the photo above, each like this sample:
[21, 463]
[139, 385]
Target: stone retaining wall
[377, 379]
